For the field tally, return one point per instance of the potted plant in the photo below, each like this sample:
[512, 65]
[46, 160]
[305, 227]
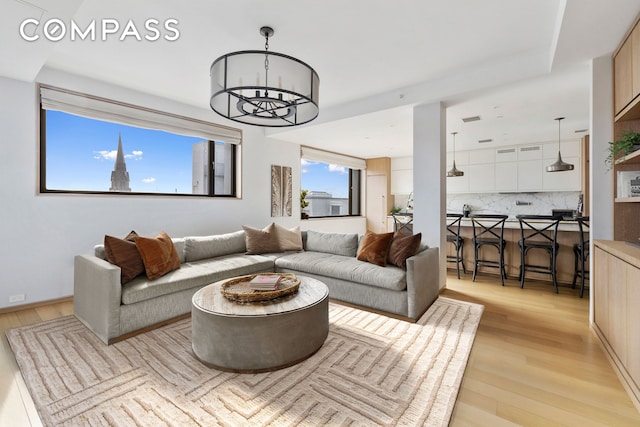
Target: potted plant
[303, 204]
[629, 143]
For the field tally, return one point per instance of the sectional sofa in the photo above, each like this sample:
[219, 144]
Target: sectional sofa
[113, 310]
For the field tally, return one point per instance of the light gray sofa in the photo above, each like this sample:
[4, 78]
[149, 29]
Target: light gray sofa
[114, 311]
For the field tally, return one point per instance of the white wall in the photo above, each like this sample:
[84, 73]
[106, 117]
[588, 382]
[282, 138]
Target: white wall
[42, 233]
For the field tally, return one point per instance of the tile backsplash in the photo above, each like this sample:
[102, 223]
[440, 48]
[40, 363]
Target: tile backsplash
[513, 204]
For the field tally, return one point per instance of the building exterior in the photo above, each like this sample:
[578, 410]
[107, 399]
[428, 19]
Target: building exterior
[322, 203]
[120, 176]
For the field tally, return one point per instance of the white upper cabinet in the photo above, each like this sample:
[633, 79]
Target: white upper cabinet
[515, 168]
[401, 175]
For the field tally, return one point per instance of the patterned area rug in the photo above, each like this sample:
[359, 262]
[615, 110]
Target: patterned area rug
[372, 370]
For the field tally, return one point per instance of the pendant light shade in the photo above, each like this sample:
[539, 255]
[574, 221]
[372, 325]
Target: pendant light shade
[264, 88]
[454, 171]
[559, 165]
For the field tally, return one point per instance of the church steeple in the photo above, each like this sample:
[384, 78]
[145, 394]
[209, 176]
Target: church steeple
[120, 176]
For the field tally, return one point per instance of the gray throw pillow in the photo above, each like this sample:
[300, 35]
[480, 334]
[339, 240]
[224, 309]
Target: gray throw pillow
[203, 247]
[333, 243]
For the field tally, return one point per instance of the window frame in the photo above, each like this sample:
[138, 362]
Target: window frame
[42, 170]
[355, 177]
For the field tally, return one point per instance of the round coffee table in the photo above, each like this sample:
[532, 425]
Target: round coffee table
[261, 336]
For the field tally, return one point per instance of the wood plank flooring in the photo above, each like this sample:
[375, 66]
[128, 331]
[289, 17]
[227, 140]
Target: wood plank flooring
[535, 361]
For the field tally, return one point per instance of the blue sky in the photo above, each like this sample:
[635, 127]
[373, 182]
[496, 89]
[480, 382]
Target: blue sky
[325, 177]
[81, 154]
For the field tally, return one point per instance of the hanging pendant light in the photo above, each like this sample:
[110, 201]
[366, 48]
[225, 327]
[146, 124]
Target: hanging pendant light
[559, 165]
[264, 88]
[454, 171]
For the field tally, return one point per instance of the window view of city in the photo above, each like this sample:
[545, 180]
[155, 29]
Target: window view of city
[83, 154]
[328, 188]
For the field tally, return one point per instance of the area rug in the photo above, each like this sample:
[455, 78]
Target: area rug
[372, 370]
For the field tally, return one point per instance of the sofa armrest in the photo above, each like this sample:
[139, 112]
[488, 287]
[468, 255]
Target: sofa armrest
[422, 281]
[97, 294]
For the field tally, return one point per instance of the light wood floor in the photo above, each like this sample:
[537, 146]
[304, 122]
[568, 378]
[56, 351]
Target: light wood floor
[535, 362]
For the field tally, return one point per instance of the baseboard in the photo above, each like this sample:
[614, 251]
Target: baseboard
[30, 306]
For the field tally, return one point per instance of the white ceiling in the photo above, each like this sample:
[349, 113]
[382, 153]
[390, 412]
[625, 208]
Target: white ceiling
[517, 64]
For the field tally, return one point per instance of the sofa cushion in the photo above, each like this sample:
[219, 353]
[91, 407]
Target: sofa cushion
[403, 247]
[261, 241]
[124, 254]
[332, 243]
[195, 274]
[158, 254]
[375, 248]
[98, 250]
[345, 268]
[288, 239]
[203, 247]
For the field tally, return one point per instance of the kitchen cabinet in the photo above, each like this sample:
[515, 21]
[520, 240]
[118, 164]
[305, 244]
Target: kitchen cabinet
[616, 296]
[530, 175]
[506, 176]
[402, 175]
[626, 76]
[516, 168]
[481, 178]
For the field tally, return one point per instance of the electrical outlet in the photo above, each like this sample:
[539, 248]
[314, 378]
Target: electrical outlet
[17, 298]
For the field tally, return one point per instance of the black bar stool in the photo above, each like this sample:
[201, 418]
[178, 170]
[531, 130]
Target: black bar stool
[581, 254]
[538, 232]
[454, 237]
[488, 230]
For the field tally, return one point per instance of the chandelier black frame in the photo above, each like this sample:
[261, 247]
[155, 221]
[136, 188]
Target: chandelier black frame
[264, 88]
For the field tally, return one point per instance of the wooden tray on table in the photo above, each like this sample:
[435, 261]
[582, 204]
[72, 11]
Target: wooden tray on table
[238, 289]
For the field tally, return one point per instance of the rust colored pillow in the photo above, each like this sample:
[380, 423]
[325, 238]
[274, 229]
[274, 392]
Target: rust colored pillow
[159, 255]
[124, 254]
[375, 248]
[403, 247]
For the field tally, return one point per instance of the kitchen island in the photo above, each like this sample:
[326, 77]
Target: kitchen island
[568, 235]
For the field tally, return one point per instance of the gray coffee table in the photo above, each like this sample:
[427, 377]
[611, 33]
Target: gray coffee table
[263, 336]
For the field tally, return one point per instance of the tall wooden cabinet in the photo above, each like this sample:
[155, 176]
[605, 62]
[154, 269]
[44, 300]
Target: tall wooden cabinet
[626, 66]
[379, 201]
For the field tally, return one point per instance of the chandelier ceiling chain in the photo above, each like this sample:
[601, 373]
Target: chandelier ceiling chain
[288, 97]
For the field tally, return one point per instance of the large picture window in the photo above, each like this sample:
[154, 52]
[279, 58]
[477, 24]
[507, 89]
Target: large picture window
[87, 149]
[332, 182]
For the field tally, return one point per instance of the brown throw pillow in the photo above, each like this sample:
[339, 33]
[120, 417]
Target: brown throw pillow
[375, 248]
[261, 241]
[124, 254]
[403, 247]
[159, 255]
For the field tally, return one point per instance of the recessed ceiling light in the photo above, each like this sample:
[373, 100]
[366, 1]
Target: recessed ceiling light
[471, 119]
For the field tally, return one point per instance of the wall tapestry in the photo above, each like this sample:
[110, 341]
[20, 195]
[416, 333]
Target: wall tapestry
[281, 191]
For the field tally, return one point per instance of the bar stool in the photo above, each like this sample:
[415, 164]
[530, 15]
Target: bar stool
[538, 232]
[454, 237]
[488, 230]
[581, 254]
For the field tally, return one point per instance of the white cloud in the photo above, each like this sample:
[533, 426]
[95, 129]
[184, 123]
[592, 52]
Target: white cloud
[304, 170]
[149, 180]
[135, 154]
[105, 155]
[111, 155]
[339, 169]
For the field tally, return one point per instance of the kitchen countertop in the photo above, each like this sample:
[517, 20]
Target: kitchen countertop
[626, 251]
[512, 222]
